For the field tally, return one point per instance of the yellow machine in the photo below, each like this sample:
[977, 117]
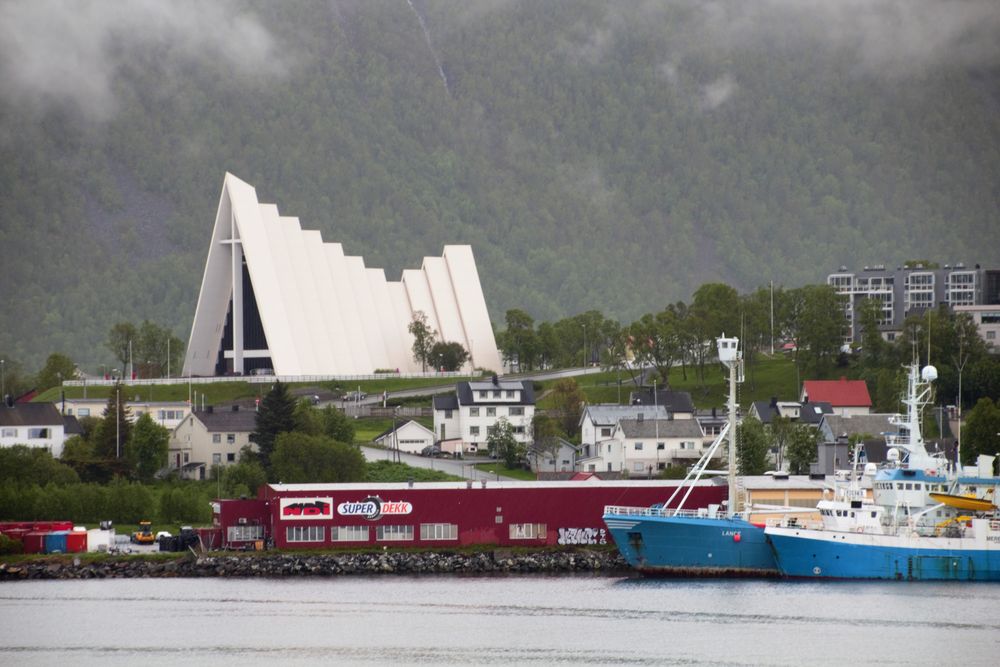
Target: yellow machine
[145, 534]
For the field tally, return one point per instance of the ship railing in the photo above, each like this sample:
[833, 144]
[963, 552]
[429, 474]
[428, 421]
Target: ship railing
[703, 513]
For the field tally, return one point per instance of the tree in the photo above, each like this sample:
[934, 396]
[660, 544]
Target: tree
[449, 356]
[275, 416]
[567, 405]
[423, 338]
[301, 458]
[780, 432]
[112, 433]
[545, 434]
[243, 479]
[119, 338]
[157, 350]
[802, 440]
[751, 447]
[819, 325]
[518, 341]
[33, 465]
[148, 445]
[981, 429]
[337, 425]
[503, 445]
[58, 367]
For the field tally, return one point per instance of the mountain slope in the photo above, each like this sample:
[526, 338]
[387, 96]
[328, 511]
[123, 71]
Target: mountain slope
[595, 157]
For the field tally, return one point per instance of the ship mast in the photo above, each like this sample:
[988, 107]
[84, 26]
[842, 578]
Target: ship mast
[731, 358]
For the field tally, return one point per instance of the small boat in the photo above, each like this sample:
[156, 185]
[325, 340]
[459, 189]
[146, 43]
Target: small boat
[968, 503]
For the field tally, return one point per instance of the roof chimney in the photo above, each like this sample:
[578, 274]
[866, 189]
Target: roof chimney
[496, 380]
[236, 408]
[639, 417]
[210, 409]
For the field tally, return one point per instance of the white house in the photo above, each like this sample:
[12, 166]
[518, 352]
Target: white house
[34, 425]
[410, 437]
[641, 447]
[168, 414]
[598, 422]
[476, 407]
[210, 437]
[560, 458]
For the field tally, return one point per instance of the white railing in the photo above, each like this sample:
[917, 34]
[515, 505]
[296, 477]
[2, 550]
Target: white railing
[660, 512]
[264, 379]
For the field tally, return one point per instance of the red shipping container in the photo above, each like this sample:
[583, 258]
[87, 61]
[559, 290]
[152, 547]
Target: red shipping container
[76, 542]
[17, 533]
[34, 542]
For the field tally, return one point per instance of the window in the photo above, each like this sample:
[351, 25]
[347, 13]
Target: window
[231, 438]
[349, 533]
[305, 533]
[491, 412]
[230, 458]
[186, 457]
[216, 459]
[605, 432]
[518, 430]
[484, 394]
[638, 446]
[9, 433]
[517, 412]
[83, 412]
[527, 531]
[447, 414]
[661, 446]
[473, 430]
[637, 467]
[496, 394]
[393, 533]
[991, 335]
[438, 531]
[170, 414]
[510, 394]
[473, 412]
[216, 438]
[38, 433]
[244, 533]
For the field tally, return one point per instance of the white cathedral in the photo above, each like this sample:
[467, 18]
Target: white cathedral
[276, 298]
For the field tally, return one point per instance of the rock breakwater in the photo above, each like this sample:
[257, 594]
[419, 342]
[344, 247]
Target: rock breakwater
[322, 565]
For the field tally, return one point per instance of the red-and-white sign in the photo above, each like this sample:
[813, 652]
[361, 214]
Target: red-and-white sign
[305, 509]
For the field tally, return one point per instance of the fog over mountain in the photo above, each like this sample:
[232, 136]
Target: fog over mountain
[609, 156]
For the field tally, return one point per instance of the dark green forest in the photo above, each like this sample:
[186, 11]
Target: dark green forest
[608, 156]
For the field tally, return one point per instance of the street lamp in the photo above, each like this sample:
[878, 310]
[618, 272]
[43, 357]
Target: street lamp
[584, 326]
[3, 379]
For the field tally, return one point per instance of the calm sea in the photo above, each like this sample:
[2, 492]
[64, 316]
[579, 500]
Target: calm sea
[496, 620]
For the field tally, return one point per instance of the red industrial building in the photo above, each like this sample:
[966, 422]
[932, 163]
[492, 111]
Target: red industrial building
[438, 514]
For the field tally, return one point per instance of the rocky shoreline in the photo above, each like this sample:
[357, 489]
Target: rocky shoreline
[607, 562]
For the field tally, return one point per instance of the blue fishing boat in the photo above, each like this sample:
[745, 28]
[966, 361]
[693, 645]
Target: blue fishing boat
[668, 540]
[929, 519]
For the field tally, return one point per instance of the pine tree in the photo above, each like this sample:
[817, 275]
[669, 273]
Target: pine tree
[276, 415]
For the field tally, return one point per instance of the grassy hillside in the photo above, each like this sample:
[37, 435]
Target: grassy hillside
[596, 156]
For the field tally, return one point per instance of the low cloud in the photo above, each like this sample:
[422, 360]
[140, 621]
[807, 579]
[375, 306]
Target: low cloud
[718, 92]
[68, 54]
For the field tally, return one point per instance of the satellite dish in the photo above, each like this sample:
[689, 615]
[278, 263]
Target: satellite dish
[929, 374]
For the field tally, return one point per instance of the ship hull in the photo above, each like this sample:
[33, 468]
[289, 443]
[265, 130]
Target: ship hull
[817, 554]
[692, 546]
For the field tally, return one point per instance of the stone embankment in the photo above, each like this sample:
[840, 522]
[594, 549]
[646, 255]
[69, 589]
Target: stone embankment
[297, 565]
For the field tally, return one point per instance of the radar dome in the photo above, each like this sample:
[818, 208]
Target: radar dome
[929, 374]
[892, 455]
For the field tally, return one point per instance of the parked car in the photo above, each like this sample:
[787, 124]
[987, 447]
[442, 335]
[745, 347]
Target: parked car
[354, 396]
[434, 451]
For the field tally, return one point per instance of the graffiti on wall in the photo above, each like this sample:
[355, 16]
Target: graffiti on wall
[583, 536]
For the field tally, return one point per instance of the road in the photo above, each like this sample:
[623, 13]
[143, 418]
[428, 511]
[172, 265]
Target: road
[376, 398]
[459, 467]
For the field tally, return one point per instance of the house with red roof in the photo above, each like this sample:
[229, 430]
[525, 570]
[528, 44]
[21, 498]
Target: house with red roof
[846, 397]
